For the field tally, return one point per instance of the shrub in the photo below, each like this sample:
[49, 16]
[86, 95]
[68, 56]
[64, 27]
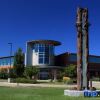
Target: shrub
[24, 80]
[3, 74]
[66, 79]
[59, 80]
[12, 74]
[31, 71]
[60, 76]
[70, 71]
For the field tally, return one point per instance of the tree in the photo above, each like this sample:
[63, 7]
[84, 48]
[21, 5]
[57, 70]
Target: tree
[19, 63]
[31, 71]
[3, 73]
[70, 71]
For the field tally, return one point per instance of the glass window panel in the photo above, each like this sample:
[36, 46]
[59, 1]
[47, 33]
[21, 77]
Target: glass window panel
[41, 49]
[33, 47]
[41, 53]
[0, 62]
[40, 60]
[12, 60]
[47, 48]
[35, 44]
[42, 45]
[46, 61]
[46, 45]
[40, 56]
[36, 48]
[51, 48]
[47, 53]
[8, 61]
[3, 62]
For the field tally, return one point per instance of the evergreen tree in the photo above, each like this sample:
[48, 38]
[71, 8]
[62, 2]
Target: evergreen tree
[19, 63]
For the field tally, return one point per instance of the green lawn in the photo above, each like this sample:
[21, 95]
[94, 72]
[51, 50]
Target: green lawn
[30, 93]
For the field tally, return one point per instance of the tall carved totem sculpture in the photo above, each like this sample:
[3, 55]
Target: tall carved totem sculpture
[83, 48]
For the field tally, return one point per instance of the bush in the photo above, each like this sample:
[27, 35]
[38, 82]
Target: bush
[24, 80]
[59, 80]
[70, 71]
[3, 74]
[60, 76]
[66, 79]
[12, 74]
[31, 71]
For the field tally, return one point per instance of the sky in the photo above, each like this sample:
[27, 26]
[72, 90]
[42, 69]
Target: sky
[24, 20]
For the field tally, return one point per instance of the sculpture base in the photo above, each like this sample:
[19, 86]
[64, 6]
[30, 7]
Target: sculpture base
[73, 93]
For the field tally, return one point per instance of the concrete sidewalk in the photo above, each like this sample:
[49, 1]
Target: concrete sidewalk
[35, 85]
[95, 84]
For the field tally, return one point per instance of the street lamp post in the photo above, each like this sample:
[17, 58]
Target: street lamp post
[9, 69]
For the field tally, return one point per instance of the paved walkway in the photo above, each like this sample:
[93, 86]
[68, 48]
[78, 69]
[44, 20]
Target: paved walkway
[35, 85]
[95, 84]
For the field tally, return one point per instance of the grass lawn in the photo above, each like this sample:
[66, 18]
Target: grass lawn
[31, 93]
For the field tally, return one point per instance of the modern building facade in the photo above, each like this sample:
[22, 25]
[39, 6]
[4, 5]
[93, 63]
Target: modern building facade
[41, 53]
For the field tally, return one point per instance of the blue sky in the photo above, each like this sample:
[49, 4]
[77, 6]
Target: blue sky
[23, 20]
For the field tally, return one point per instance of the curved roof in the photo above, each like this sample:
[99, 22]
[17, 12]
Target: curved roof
[55, 43]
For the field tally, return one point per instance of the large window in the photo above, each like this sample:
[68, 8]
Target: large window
[44, 52]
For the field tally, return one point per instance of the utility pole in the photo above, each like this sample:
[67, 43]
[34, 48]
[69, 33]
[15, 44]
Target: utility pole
[9, 69]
